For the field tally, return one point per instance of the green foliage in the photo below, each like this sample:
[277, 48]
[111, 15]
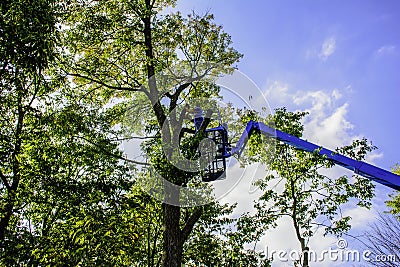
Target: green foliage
[259, 147]
[297, 189]
[394, 203]
[27, 47]
[111, 51]
[220, 240]
[289, 122]
[75, 78]
[153, 65]
[62, 183]
[70, 200]
[28, 35]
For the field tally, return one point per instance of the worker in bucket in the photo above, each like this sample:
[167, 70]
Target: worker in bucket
[198, 115]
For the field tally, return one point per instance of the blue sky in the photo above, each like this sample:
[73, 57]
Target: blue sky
[282, 41]
[339, 60]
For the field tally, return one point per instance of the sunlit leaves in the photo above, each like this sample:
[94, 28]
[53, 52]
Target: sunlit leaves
[297, 189]
[28, 34]
[394, 203]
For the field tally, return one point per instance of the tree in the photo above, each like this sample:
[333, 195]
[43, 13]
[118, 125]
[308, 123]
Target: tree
[62, 183]
[127, 50]
[298, 190]
[75, 201]
[26, 48]
[394, 203]
[70, 199]
[75, 205]
[382, 240]
[213, 242]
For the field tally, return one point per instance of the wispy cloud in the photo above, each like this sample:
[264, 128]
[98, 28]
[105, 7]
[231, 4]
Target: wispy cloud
[386, 50]
[328, 48]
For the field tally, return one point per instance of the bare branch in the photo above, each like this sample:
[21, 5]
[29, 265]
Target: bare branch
[130, 89]
[132, 137]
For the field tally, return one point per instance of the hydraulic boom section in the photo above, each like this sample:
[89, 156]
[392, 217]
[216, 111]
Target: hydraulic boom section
[219, 135]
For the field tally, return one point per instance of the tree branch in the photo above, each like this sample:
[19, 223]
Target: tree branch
[132, 137]
[187, 229]
[111, 154]
[130, 89]
[174, 97]
[206, 121]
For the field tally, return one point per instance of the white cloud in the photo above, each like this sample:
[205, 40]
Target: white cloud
[328, 48]
[349, 89]
[329, 129]
[360, 217]
[336, 94]
[371, 157]
[327, 125]
[317, 99]
[281, 238]
[277, 93]
[238, 187]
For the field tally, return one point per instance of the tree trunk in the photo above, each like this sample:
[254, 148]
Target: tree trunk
[12, 189]
[175, 235]
[173, 241]
[304, 249]
[305, 252]
[172, 236]
[5, 218]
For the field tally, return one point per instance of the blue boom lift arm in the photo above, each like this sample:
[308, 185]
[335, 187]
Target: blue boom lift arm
[216, 168]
